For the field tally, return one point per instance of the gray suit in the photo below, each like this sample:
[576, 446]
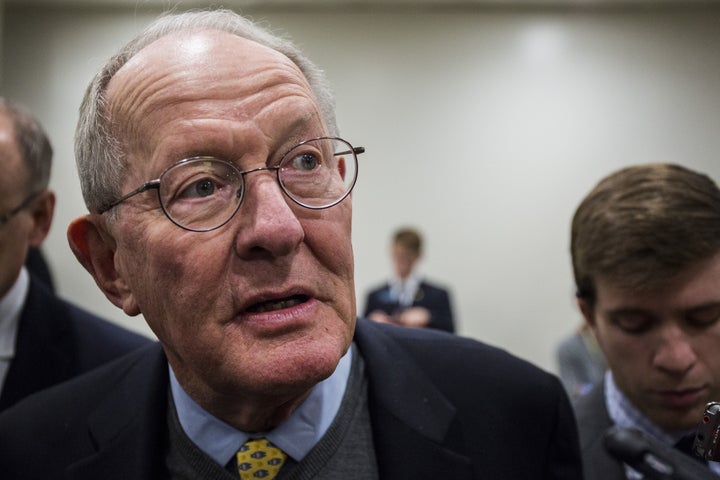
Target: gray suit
[593, 421]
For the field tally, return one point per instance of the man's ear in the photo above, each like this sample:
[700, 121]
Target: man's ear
[42, 210]
[95, 249]
[587, 311]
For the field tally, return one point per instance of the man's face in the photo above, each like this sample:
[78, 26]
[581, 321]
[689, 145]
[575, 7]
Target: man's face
[15, 234]
[663, 345]
[265, 304]
[404, 260]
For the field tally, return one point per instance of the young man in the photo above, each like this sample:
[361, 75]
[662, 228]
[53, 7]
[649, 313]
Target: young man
[410, 300]
[646, 258]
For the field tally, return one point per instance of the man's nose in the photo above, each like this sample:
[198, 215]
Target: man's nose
[675, 353]
[267, 225]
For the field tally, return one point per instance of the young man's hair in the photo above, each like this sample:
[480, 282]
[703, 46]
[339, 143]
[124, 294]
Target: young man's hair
[642, 225]
[408, 238]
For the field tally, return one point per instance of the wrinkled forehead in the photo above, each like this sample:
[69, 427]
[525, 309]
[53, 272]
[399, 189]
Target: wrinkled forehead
[190, 65]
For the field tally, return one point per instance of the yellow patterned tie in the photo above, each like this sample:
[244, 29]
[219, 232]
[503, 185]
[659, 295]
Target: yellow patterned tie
[258, 458]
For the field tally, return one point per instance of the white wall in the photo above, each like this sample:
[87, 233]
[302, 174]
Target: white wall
[483, 127]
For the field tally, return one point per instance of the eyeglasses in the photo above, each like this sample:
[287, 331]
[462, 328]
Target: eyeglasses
[203, 193]
[5, 217]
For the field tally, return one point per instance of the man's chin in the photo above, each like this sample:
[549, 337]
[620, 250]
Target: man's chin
[294, 373]
[679, 422]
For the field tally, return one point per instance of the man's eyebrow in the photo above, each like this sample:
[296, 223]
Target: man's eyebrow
[301, 125]
[704, 306]
[628, 311]
[646, 312]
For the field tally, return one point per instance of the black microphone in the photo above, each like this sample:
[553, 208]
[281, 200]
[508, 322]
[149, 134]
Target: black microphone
[651, 458]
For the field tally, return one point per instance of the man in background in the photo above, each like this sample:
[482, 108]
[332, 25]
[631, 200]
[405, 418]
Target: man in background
[408, 299]
[646, 257]
[43, 339]
[219, 199]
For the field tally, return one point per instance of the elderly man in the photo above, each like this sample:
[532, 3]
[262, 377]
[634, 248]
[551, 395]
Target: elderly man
[44, 340]
[220, 210]
[646, 257]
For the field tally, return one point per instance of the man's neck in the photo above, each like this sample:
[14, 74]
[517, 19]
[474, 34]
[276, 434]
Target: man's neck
[248, 412]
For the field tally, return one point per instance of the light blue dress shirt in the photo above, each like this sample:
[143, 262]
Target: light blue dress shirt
[296, 436]
[404, 291]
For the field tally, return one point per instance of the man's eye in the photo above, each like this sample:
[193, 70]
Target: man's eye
[199, 189]
[704, 317]
[202, 188]
[304, 162]
[633, 323]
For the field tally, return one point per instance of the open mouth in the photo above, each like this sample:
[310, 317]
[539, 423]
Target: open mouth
[273, 305]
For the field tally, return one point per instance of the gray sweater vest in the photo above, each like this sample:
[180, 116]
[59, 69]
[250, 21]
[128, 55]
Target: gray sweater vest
[345, 451]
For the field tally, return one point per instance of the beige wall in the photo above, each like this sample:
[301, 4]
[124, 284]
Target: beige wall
[2, 23]
[482, 127]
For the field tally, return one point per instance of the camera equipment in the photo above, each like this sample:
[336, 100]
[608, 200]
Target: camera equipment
[707, 443]
[653, 459]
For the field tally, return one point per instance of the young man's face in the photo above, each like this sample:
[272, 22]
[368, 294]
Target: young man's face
[663, 345]
[404, 260]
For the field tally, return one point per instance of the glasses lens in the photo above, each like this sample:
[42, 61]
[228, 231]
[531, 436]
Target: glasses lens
[201, 193]
[319, 173]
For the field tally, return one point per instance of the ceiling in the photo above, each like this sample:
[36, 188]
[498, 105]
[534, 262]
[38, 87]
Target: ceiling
[353, 3]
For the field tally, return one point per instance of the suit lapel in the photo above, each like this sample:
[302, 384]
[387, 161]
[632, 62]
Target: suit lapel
[45, 349]
[593, 421]
[128, 427]
[411, 418]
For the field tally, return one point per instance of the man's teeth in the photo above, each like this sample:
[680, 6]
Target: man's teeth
[275, 305]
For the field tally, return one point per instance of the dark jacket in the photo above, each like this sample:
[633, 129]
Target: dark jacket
[432, 297]
[441, 406]
[58, 341]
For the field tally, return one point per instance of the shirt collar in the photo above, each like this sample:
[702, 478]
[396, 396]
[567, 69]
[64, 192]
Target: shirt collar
[404, 290]
[10, 309]
[296, 436]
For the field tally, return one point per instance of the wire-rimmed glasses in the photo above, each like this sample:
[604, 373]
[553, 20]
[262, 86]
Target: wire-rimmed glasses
[203, 193]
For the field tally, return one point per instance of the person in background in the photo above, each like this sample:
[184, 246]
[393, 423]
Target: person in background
[43, 340]
[645, 247]
[220, 210]
[581, 364]
[408, 299]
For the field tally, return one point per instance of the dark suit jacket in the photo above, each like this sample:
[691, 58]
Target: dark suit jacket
[593, 421]
[432, 297]
[38, 267]
[57, 341]
[441, 406]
